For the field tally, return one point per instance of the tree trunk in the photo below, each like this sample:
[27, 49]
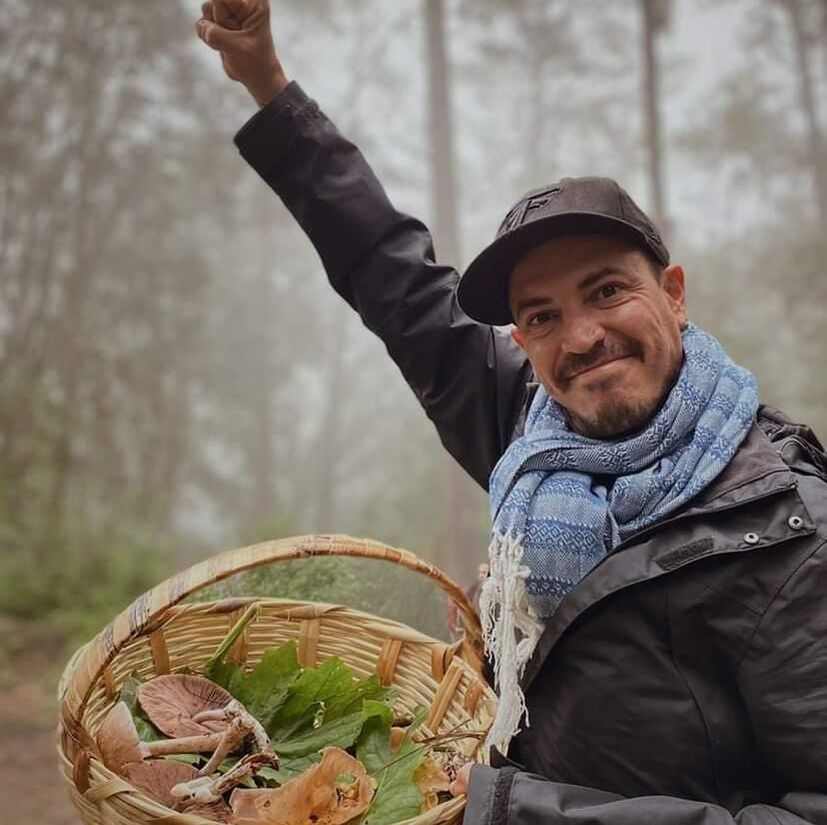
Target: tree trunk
[462, 553]
[654, 20]
[824, 36]
[807, 98]
[441, 131]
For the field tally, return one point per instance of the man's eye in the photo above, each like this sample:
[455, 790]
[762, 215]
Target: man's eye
[607, 291]
[539, 318]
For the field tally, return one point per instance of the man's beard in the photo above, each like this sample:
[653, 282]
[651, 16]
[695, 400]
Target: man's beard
[622, 418]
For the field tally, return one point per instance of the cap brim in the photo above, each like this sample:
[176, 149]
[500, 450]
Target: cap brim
[483, 289]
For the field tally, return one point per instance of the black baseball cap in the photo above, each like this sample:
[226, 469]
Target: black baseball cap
[574, 206]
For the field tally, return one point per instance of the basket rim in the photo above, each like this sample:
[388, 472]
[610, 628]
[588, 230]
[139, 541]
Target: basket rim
[234, 602]
[148, 607]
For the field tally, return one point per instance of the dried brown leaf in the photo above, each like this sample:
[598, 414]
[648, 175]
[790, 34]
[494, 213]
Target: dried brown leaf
[430, 778]
[334, 792]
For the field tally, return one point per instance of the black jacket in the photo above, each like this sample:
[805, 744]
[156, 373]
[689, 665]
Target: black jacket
[684, 680]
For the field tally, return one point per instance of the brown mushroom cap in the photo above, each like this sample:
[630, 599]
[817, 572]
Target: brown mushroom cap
[313, 796]
[118, 740]
[172, 700]
[157, 777]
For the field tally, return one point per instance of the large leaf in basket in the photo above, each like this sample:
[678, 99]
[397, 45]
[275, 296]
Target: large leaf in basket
[264, 689]
[322, 695]
[397, 796]
[289, 768]
[301, 752]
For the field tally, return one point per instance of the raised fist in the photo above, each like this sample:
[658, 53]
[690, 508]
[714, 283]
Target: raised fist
[240, 31]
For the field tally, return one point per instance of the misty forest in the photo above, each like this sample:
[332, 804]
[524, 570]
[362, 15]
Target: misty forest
[178, 378]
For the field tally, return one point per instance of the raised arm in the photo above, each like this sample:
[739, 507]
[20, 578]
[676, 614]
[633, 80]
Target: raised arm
[470, 378]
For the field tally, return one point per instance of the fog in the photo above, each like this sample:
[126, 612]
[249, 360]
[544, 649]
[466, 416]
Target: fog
[178, 377]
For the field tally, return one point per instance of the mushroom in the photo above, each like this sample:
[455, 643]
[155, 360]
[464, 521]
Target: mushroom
[158, 778]
[241, 725]
[204, 790]
[183, 704]
[333, 792]
[118, 740]
[174, 700]
[120, 745]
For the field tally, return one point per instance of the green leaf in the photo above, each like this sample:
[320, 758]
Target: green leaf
[264, 689]
[299, 753]
[340, 733]
[290, 768]
[147, 732]
[397, 796]
[227, 764]
[223, 673]
[216, 668]
[378, 707]
[363, 691]
[188, 758]
[331, 688]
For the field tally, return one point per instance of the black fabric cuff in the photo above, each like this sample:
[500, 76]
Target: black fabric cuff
[489, 795]
[502, 795]
[267, 135]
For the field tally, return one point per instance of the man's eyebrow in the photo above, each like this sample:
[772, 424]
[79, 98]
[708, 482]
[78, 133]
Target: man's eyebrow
[528, 303]
[593, 277]
[585, 283]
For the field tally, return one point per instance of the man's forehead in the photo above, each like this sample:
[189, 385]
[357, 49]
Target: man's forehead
[573, 251]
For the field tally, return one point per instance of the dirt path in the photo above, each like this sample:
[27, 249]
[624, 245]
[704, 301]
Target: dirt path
[30, 663]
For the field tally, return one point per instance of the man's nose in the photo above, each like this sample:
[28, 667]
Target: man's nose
[580, 333]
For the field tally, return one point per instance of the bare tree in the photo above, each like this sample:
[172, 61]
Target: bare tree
[655, 15]
[796, 11]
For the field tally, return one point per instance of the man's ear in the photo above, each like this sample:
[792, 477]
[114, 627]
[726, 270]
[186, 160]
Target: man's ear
[672, 279]
[517, 337]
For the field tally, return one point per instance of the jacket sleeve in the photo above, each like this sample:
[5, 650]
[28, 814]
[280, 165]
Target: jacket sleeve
[469, 377]
[783, 679]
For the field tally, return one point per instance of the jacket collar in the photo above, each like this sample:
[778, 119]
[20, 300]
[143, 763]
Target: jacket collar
[755, 474]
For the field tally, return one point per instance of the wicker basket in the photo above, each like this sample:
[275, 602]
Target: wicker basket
[157, 635]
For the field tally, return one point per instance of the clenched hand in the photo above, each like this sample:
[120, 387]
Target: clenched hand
[240, 31]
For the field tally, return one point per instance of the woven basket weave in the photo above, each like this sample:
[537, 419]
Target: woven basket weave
[157, 635]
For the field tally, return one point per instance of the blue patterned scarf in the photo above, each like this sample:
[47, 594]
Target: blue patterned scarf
[553, 523]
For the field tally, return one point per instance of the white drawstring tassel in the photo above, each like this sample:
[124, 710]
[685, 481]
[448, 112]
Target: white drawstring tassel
[505, 612]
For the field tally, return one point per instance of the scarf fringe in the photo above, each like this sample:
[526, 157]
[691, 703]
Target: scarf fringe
[511, 631]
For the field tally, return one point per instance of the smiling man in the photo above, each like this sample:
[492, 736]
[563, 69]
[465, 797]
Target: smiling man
[585, 278]
[656, 609]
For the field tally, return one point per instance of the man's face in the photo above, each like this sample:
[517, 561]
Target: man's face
[601, 329]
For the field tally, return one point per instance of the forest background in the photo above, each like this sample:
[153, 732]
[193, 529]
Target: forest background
[176, 375]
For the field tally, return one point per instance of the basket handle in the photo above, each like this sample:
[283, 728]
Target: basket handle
[147, 609]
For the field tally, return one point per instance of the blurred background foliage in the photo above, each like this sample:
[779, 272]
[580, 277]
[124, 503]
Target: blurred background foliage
[176, 377]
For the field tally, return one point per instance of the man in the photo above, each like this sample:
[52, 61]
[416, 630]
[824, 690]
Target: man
[657, 598]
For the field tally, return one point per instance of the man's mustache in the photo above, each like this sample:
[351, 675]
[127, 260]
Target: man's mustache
[601, 353]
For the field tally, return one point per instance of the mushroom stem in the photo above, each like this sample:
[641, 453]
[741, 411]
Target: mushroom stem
[205, 789]
[242, 726]
[247, 766]
[232, 738]
[186, 744]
